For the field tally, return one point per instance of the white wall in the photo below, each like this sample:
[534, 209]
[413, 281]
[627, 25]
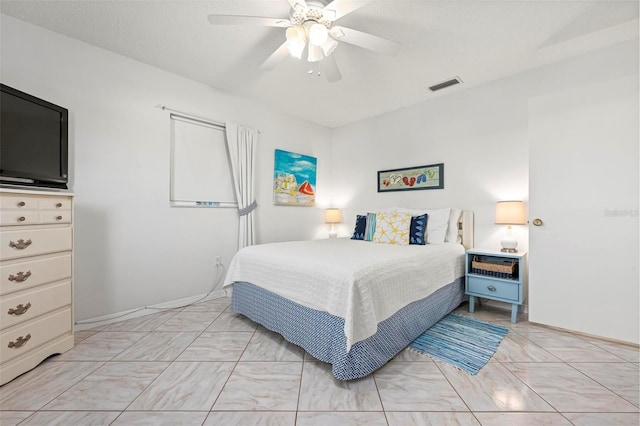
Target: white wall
[131, 248]
[479, 134]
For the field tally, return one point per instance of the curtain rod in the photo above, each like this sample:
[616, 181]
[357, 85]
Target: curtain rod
[193, 117]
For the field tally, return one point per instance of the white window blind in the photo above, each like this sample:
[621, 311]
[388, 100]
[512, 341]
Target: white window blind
[200, 168]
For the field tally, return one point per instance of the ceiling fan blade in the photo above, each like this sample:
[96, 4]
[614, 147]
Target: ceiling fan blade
[339, 8]
[298, 5]
[365, 40]
[275, 58]
[249, 20]
[330, 69]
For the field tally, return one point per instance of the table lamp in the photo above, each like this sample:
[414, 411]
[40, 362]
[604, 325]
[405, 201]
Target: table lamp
[332, 216]
[510, 213]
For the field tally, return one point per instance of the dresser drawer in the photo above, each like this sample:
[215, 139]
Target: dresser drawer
[19, 201]
[19, 217]
[31, 209]
[16, 276]
[31, 242]
[34, 217]
[493, 289]
[34, 202]
[25, 305]
[19, 340]
[55, 216]
[55, 203]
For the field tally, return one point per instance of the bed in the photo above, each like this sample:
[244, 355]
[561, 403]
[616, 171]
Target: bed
[350, 303]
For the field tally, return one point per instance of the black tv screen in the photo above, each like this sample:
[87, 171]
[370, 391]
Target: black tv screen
[33, 140]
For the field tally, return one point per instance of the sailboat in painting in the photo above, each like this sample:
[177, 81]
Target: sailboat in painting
[289, 169]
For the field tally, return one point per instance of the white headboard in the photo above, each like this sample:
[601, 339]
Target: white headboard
[465, 229]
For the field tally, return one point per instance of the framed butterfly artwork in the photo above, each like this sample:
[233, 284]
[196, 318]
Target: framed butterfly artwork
[410, 178]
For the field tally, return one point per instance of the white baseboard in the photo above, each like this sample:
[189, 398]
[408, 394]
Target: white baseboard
[145, 310]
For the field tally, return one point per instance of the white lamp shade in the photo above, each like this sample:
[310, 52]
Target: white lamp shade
[296, 32]
[332, 216]
[510, 213]
[318, 34]
[329, 46]
[296, 41]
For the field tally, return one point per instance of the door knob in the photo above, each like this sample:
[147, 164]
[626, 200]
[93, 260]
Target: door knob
[537, 222]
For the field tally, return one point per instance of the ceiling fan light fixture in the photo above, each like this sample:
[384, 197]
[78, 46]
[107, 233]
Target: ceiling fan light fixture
[296, 48]
[315, 53]
[318, 34]
[296, 41]
[296, 32]
[310, 33]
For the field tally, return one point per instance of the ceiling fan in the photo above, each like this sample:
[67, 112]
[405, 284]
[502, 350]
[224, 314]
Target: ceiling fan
[310, 27]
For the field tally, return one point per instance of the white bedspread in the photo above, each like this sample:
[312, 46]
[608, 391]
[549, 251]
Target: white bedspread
[360, 281]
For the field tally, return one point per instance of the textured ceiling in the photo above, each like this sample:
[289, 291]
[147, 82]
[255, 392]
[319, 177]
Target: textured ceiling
[478, 41]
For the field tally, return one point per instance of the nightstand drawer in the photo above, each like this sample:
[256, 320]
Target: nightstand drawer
[493, 289]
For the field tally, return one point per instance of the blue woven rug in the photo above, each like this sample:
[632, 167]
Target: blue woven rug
[460, 341]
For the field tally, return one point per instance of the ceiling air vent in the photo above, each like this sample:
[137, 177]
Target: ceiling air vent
[445, 84]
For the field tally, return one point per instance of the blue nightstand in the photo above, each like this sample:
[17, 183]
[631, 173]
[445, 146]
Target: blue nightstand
[495, 275]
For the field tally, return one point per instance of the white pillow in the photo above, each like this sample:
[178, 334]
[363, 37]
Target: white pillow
[452, 229]
[437, 223]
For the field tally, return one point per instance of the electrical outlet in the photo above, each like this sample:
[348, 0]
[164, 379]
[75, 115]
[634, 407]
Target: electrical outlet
[218, 261]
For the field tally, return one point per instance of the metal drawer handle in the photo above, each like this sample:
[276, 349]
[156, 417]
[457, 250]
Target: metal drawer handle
[20, 341]
[22, 204]
[20, 309]
[22, 219]
[21, 244]
[491, 288]
[58, 217]
[20, 276]
[58, 205]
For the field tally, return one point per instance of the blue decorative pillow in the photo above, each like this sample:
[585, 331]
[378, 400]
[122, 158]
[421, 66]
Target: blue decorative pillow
[361, 227]
[371, 227]
[418, 229]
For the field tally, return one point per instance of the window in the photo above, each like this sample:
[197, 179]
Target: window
[200, 167]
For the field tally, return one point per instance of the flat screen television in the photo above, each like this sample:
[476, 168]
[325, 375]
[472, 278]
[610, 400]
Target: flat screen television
[34, 141]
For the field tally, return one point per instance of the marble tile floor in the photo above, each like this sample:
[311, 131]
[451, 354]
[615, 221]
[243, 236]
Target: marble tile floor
[203, 365]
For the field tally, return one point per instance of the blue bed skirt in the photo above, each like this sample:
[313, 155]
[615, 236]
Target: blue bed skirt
[322, 334]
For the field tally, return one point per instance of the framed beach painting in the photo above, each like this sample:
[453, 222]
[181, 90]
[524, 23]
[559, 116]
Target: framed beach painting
[410, 178]
[294, 179]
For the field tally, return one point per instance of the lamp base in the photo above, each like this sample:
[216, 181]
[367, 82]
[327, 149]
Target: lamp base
[332, 232]
[509, 244]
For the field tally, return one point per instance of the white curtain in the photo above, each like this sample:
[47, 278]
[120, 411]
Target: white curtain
[241, 142]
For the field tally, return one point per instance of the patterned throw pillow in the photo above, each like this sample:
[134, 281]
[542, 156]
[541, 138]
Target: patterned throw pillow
[361, 227]
[392, 228]
[371, 227]
[418, 229]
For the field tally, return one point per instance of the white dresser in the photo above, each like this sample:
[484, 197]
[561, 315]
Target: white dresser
[36, 265]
